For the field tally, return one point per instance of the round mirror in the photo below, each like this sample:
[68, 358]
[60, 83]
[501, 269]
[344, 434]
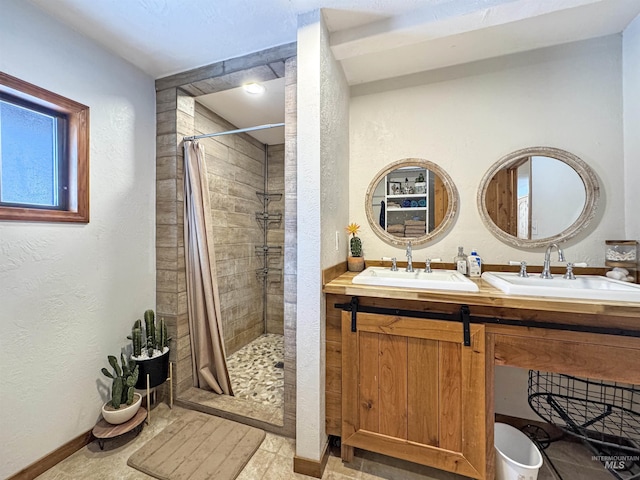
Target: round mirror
[411, 200]
[538, 195]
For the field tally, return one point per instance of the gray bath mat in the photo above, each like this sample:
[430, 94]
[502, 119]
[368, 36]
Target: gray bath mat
[198, 446]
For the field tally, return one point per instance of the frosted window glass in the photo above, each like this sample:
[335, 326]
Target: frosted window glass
[28, 157]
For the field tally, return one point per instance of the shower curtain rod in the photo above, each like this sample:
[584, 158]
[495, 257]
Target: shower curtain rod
[240, 130]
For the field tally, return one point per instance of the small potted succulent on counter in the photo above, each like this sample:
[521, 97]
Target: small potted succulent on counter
[355, 261]
[150, 350]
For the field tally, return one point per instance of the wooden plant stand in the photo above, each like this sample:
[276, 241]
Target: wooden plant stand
[170, 380]
[104, 430]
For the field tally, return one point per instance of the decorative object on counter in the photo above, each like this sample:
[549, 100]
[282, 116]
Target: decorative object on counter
[355, 261]
[622, 255]
[124, 401]
[150, 350]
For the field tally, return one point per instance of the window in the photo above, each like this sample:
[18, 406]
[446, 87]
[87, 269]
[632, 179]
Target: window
[44, 154]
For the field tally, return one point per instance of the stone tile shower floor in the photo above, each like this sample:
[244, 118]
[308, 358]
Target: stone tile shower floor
[253, 371]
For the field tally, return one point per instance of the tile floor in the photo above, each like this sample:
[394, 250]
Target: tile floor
[253, 371]
[274, 461]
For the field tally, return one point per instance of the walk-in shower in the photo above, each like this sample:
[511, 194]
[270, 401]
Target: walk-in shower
[246, 183]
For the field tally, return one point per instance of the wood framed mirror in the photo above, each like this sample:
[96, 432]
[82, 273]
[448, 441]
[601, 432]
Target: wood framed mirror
[411, 200]
[537, 196]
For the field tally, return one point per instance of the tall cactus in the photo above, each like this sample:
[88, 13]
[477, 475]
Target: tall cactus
[162, 335]
[150, 330]
[136, 338]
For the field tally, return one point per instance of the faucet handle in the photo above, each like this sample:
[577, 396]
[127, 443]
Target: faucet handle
[523, 270]
[394, 266]
[569, 275]
[427, 265]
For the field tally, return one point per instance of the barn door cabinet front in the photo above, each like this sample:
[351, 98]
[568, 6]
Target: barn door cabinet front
[411, 389]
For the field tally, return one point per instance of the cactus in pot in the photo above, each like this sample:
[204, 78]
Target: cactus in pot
[355, 243]
[150, 349]
[355, 262]
[124, 379]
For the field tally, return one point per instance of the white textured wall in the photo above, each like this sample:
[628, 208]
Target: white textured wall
[323, 203]
[465, 118]
[69, 293]
[631, 95]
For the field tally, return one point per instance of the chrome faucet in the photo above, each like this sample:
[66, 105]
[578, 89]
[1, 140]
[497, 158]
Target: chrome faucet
[427, 266]
[409, 258]
[546, 269]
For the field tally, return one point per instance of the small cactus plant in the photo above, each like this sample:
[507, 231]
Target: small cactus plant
[124, 378]
[355, 243]
[153, 338]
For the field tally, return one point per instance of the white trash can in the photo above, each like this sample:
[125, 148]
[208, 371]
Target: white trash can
[517, 457]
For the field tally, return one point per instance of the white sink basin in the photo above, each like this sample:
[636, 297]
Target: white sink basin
[436, 280]
[584, 286]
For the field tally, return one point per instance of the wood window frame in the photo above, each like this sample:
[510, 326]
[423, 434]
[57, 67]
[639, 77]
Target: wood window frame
[77, 160]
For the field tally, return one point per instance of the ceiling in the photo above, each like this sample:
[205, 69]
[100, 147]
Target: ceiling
[372, 39]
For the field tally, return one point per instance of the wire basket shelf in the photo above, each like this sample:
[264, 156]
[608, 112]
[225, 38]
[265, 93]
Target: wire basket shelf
[603, 413]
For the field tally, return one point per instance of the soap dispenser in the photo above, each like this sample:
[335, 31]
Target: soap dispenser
[460, 261]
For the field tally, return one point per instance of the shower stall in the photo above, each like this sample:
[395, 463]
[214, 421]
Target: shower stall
[246, 190]
[247, 221]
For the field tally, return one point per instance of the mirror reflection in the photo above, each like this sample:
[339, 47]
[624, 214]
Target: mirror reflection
[409, 201]
[537, 195]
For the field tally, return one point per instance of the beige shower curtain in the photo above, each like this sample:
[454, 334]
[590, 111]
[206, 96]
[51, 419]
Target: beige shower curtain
[203, 301]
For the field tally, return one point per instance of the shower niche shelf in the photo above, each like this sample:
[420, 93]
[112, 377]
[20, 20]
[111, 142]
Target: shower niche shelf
[268, 250]
[269, 217]
[265, 272]
[267, 197]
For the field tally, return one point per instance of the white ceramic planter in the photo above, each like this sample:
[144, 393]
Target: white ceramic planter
[124, 413]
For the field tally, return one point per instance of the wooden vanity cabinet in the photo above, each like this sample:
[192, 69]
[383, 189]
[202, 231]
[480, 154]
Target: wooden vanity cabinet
[411, 389]
[408, 387]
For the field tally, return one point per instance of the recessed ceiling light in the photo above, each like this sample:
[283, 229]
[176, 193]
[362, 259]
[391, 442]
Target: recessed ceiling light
[254, 88]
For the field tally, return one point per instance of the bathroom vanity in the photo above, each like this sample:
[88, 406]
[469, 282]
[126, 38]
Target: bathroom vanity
[410, 373]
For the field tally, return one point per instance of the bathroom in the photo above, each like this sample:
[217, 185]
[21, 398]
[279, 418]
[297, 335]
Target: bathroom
[463, 118]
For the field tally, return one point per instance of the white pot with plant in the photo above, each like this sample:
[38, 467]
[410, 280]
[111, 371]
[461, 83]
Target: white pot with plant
[150, 350]
[124, 403]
